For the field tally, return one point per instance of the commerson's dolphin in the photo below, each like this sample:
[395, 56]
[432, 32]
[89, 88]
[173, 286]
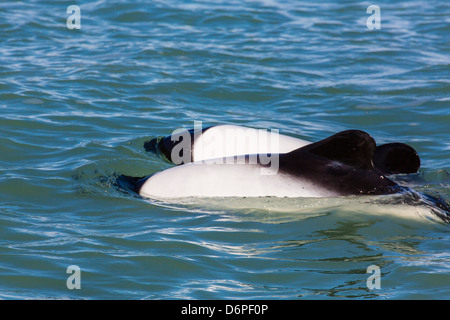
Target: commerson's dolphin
[223, 141]
[234, 161]
[340, 165]
[219, 142]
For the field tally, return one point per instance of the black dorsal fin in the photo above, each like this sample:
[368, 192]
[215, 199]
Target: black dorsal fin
[393, 158]
[352, 147]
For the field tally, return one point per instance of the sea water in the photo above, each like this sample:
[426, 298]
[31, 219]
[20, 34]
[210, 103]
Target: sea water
[82, 89]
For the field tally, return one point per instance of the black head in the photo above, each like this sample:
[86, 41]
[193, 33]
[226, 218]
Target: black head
[163, 146]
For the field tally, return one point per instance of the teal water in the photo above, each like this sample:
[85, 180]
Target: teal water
[76, 107]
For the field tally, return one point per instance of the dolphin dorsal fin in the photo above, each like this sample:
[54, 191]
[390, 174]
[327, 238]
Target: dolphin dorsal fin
[393, 158]
[352, 147]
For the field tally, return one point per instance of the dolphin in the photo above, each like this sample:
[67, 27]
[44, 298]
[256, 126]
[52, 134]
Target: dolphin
[340, 165]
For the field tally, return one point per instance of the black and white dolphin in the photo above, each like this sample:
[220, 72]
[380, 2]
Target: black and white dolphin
[230, 140]
[347, 163]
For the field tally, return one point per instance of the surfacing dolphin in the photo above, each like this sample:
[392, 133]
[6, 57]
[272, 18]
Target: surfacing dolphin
[348, 163]
[390, 158]
[340, 165]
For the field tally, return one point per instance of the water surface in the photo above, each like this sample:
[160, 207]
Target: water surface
[76, 107]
